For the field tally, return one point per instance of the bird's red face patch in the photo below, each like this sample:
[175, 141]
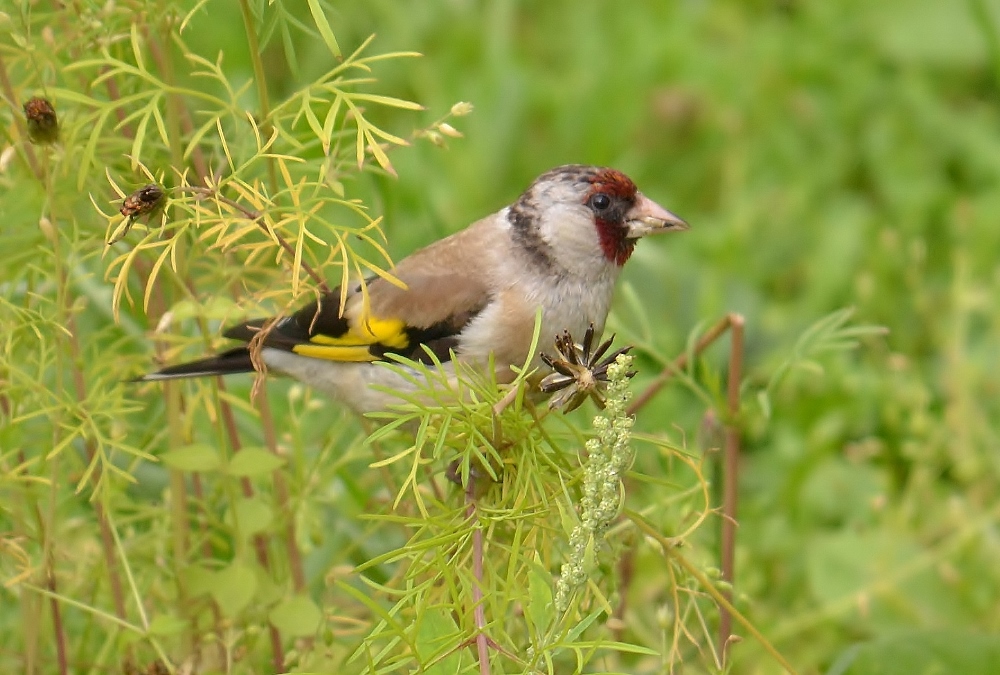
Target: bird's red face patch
[611, 195]
[614, 183]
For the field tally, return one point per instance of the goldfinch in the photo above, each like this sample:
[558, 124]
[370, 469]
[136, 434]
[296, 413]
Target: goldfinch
[475, 294]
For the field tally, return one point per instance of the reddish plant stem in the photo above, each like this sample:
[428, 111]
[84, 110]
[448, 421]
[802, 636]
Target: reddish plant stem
[259, 542]
[206, 550]
[57, 624]
[479, 610]
[107, 540]
[74, 54]
[735, 323]
[49, 570]
[176, 102]
[730, 477]
[281, 492]
[680, 363]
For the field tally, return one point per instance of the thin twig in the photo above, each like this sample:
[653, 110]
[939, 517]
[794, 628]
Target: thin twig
[50, 577]
[57, 624]
[281, 492]
[507, 399]
[259, 542]
[479, 611]
[258, 218]
[730, 476]
[260, 80]
[680, 363]
[177, 111]
[670, 550]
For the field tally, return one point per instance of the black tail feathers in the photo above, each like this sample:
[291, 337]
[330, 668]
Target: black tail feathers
[227, 363]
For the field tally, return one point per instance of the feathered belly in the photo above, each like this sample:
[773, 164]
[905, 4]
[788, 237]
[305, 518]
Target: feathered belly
[364, 387]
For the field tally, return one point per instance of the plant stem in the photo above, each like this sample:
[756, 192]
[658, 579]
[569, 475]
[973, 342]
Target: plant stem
[670, 551]
[258, 74]
[479, 611]
[730, 476]
[259, 542]
[49, 570]
[68, 319]
[281, 492]
[680, 363]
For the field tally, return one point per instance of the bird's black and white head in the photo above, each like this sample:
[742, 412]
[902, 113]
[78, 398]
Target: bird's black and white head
[580, 218]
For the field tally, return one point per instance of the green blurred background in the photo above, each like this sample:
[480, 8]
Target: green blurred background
[827, 154]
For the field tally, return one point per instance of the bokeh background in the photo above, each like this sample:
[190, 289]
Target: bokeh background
[828, 154]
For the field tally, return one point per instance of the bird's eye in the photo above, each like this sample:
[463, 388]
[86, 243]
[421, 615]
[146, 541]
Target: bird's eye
[600, 201]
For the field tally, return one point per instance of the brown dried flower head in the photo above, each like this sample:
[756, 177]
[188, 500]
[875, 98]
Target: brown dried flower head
[43, 125]
[579, 373]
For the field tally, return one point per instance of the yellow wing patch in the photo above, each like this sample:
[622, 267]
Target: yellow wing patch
[335, 353]
[354, 344]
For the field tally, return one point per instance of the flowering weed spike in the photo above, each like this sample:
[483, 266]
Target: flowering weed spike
[609, 457]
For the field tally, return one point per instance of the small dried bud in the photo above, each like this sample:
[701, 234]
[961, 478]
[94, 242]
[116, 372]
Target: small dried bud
[43, 125]
[449, 130]
[461, 108]
[49, 230]
[163, 325]
[435, 138]
[6, 157]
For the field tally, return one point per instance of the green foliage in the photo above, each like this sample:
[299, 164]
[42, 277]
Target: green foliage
[828, 155]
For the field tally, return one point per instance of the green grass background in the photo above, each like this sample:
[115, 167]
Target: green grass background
[827, 154]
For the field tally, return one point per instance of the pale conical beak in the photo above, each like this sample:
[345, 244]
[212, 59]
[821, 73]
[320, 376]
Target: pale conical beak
[648, 217]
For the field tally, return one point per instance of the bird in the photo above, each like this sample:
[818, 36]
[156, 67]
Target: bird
[473, 296]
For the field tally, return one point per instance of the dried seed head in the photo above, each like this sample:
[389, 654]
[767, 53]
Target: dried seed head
[580, 373]
[43, 125]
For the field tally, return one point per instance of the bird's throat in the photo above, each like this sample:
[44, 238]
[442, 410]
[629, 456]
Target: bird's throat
[615, 243]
